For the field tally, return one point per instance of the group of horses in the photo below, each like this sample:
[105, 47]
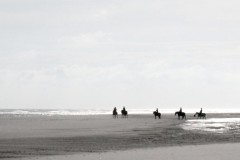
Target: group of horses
[124, 114]
[181, 115]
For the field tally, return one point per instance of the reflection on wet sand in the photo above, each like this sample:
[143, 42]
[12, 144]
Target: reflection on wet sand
[219, 125]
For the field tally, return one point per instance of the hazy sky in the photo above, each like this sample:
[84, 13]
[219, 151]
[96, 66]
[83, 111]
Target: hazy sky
[105, 53]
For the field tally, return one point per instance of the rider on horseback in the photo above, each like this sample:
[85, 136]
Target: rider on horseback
[114, 110]
[124, 109]
[157, 110]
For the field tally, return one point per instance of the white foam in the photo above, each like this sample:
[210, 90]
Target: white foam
[54, 112]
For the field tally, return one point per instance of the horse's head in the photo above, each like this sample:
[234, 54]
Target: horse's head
[195, 114]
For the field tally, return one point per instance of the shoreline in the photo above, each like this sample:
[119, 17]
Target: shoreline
[38, 136]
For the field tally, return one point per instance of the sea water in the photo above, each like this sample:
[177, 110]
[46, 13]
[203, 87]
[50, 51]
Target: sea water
[49, 112]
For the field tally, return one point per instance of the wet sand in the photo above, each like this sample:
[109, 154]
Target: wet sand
[41, 136]
[189, 152]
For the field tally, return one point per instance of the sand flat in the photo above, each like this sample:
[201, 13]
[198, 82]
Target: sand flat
[40, 136]
[228, 151]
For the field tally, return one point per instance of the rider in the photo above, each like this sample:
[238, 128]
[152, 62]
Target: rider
[124, 109]
[200, 112]
[180, 110]
[157, 110]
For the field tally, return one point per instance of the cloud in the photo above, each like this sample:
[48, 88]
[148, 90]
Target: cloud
[85, 40]
[109, 52]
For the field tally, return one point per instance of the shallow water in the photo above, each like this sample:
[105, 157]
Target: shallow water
[218, 125]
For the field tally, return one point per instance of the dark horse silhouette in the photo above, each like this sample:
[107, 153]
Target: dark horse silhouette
[200, 115]
[181, 114]
[115, 114]
[124, 114]
[157, 114]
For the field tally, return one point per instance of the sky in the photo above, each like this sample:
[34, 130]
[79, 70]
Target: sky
[75, 54]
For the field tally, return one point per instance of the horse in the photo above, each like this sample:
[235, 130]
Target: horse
[157, 114]
[115, 114]
[124, 114]
[200, 115]
[181, 114]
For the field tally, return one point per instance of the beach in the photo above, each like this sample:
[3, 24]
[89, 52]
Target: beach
[96, 136]
[210, 152]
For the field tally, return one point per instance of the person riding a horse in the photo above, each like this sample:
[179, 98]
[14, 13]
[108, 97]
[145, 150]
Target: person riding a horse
[124, 113]
[115, 114]
[157, 114]
[200, 112]
[180, 113]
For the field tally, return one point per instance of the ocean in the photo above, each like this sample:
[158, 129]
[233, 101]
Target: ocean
[50, 112]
